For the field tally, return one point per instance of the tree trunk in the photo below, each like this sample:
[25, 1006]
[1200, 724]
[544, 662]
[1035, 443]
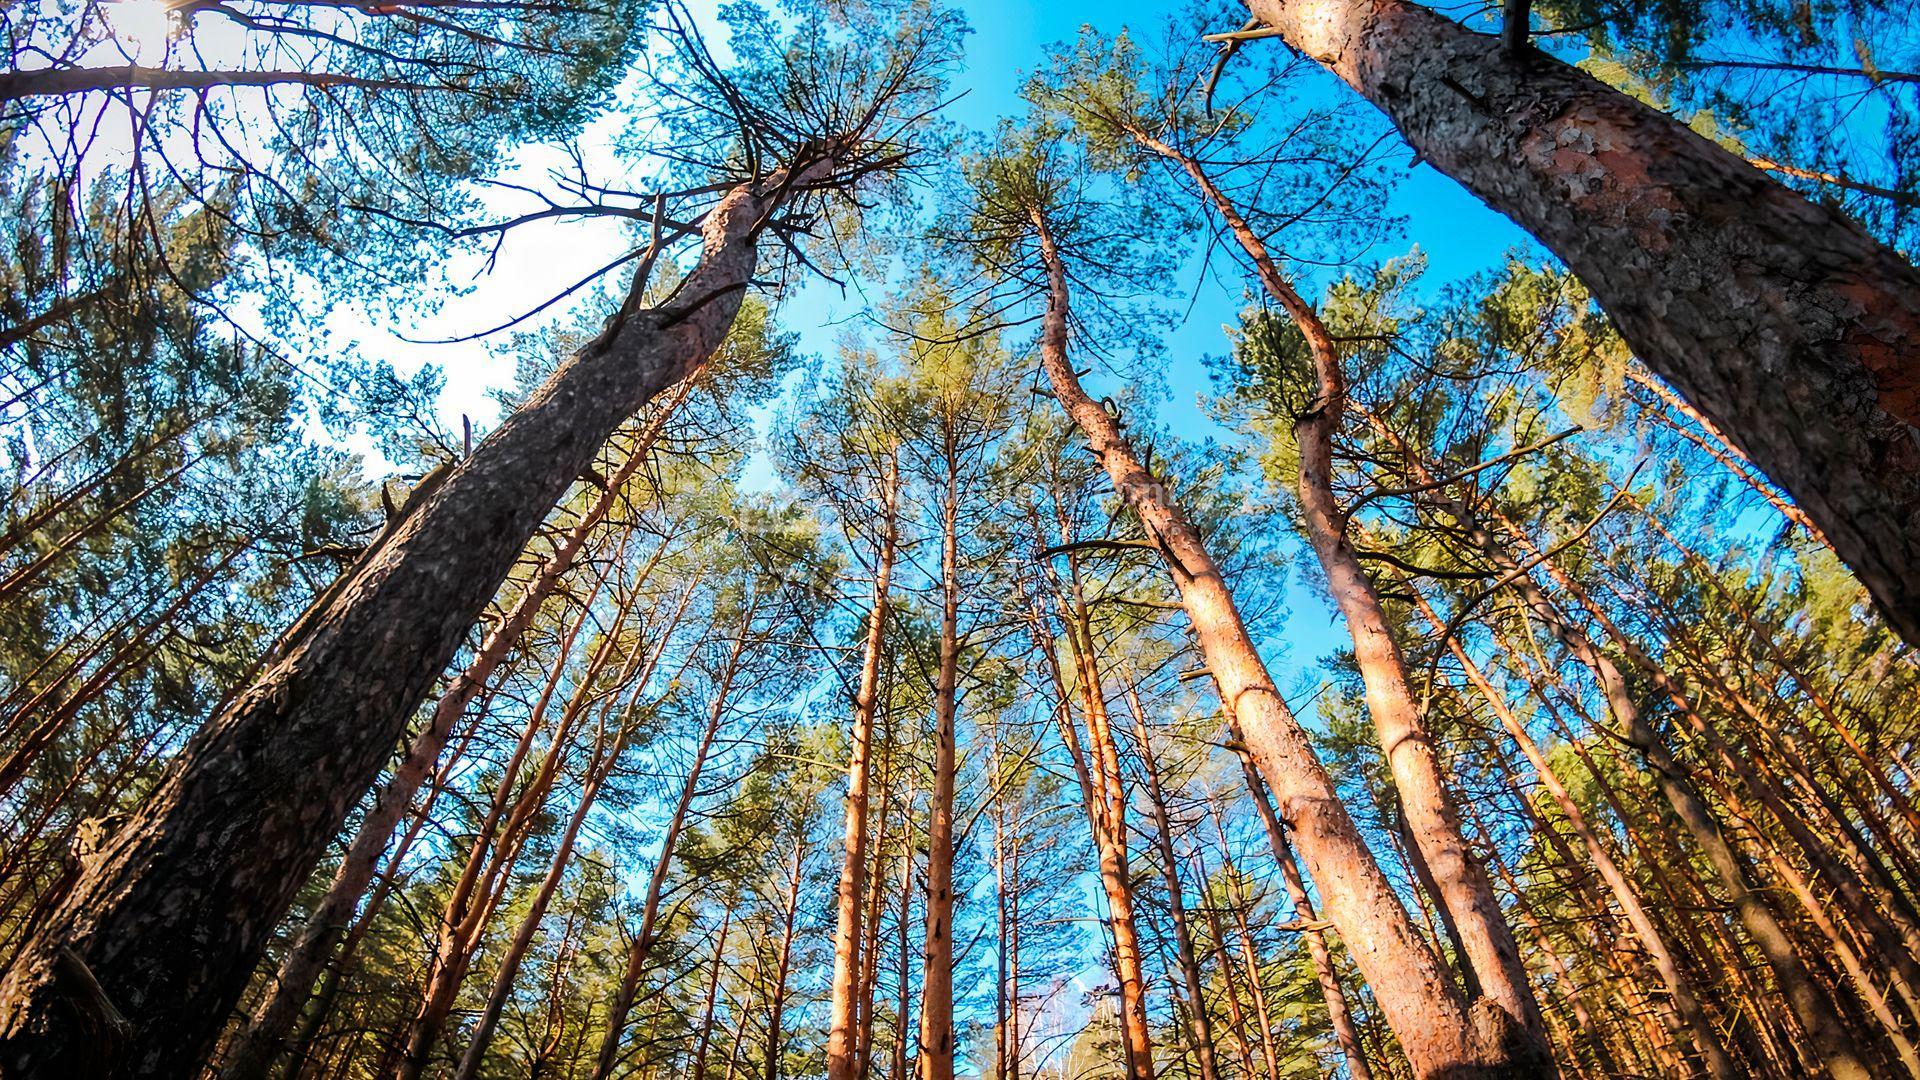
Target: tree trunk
[497, 843]
[254, 1051]
[876, 909]
[1237, 903]
[842, 1037]
[601, 762]
[777, 997]
[1460, 884]
[172, 919]
[637, 953]
[713, 993]
[1440, 1033]
[1109, 839]
[1188, 956]
[1700, 1030]
[1780, 318]
[1815, 1013]
[1339, 1016]
[936, 979]
[902, 986]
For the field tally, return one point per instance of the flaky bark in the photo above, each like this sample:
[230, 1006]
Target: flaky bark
[1780, 318]
[175, 914]
[1439, 1033]
[842, 1036]
[255, 1049]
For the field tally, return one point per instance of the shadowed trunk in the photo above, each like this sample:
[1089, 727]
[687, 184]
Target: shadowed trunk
[936, 980]
[173, 917]
[254, 1051]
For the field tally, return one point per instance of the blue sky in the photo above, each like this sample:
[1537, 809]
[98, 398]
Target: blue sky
[1458, 235]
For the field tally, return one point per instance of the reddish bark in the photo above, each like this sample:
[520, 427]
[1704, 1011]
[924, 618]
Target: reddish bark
[1440, 1033]
[1184, 951]
[1780, 318]
[842, 1037]
[936, 980]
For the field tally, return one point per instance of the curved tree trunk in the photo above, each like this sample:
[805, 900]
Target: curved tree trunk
[1780, 318]
[1441, 1035]
[1459, 882]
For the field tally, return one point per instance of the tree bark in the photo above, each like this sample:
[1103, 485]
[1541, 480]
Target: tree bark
[1699, 1027]
[174, 916]
[936, 978]
[1439, 1032]
[1811, 1007]
[1339, 1015]
[842, 1036]
[260, 1043]
[1780, 318]
[1184, 951]
[1106, 819]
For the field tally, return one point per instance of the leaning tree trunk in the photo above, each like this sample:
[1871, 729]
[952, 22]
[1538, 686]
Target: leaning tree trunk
[167, 926]
[1686, 1003]
[1331, 992]
[254, 1052]
[1184, 951]
[1830, 1041]
[1459, 882]
[1440, 1034]
[1782, 319]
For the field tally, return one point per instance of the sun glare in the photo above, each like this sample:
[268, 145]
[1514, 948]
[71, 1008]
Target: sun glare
[140, 26]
